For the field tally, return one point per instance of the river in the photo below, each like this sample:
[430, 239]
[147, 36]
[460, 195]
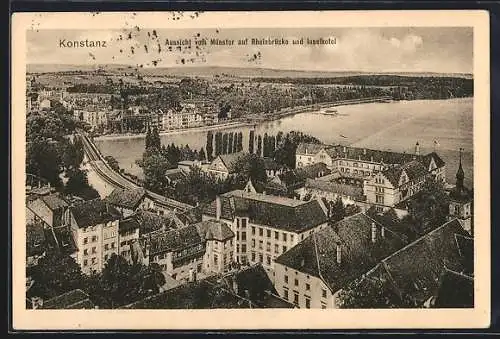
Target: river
[395, 126]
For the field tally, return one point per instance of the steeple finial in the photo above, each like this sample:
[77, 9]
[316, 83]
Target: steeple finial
[460, 172]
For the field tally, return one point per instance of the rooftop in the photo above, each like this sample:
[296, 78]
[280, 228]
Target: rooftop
[214, 230]
[333, 187]
[277, 212]
[317, 255]
[128, 198]
[54, 201]
[75, 299]
[455, 290]
[93, 212]
[173, 240]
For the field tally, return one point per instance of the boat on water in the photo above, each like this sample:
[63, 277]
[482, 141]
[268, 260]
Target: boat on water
[329, 111]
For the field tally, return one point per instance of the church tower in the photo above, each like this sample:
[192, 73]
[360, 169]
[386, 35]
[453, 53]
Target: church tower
[461, 200]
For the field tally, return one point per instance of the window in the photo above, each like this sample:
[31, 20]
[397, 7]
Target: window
[284, 249]
[243, 223]
[112, 245]
[253, 230]
[85, 262]
[261, 244]
[276, 248]
[237, 248]
[276, 235]
[123, 243]
[94, 250]
[379, 199]
[243, 236]
[253, 243]
[268, 259]
[296, 298]
[285, 293]
[216, 258]
[106, 257]
[106, 247]
[291, 237]
[85, 252]
[261, 258]
[94, 260]
[237, 223]
[268, 247]
[286, 279]
[253, 256]
[296, 282]
[323, 293]
[243, 248]
[237, 235]
[308, 287]
[284, 236]
[85, 240]
[269, 233]
[261, 232]
[308, 302]
[94, 238]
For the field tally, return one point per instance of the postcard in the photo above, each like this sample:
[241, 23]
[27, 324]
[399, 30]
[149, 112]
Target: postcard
[250, 170]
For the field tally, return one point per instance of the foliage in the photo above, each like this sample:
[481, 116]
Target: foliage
[210, 145]
[112, 162]
[154, 165]
[287, 147]
[55, 274]
[251, 140]
[78, 185]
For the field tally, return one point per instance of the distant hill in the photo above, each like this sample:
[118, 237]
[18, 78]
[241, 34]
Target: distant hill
[210, 71]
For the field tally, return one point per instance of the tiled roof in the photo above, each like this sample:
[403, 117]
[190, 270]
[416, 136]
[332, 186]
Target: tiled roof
[393, 174]
[93, 212]
[173, 240]
[414, 169]
[54, 201]
[175, 174]
[128, 198]
[415, 270]
[75, 299]
[35, 239]
[317, 254]
[278, 212]
[455, 291]
[214, 230]
[297, 177]
[309, 149]
[150, 221]
[230, 160]
[333, 187]
[426, 160]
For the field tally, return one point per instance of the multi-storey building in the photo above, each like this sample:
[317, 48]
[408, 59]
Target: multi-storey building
[313, 272]
[200, 249]
[266, 226]
[94, 225]
[48, 208]
[128, 201]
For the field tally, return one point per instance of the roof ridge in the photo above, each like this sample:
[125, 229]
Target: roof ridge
[422, 238]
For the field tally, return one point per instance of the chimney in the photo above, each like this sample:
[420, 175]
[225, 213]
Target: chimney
[339, 254]
[382, 232]
[374, 232]
[218, 207]
[417, 148]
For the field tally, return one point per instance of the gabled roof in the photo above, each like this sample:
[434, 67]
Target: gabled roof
[214, 230]
[128, 224]
[150, 221]
[75, 299]
[93, 212]
[317, 254]
[333, 187]
[415, 270]
[54, 201]
[230, 160]
[277, 212]
[393, 174]
[173, 240]
[127, 198]
[414, 169]
[309, 149]
[175, 174]
[426, 160]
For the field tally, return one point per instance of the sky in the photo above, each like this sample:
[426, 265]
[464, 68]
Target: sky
[418, 49]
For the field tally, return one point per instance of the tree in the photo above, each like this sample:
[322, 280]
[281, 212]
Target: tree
[250, 166]
[224, 143]
[218, 143]
[337, 211]
[235, 142]
[55, 274]
[259, 146]
[239, 144]
[251, 139]
[372, 292]
[209, 146]
[154, 166]
[78, 185]
[202, 155]
[230, 143]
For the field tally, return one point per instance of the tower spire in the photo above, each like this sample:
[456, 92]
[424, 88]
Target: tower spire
[460, 172]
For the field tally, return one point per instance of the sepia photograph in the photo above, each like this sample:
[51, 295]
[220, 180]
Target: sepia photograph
[189, 162]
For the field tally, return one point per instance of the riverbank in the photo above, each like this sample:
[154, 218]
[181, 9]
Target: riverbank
[236, 124]
[248, 121]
